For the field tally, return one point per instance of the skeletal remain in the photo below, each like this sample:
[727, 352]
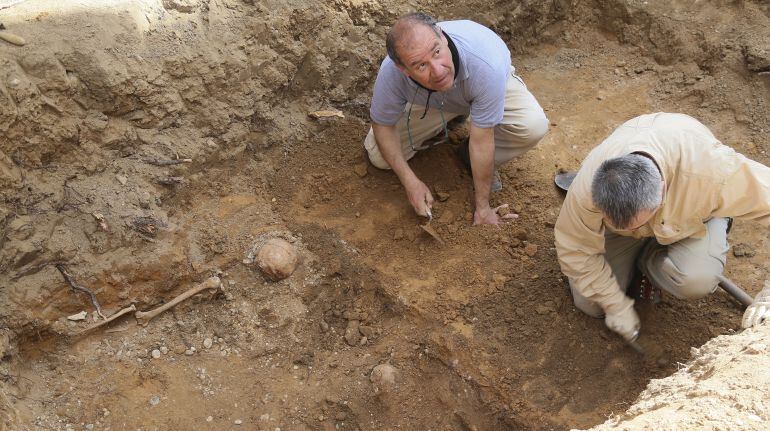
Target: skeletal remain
[109, 319]
[12, 38]
[143, 318]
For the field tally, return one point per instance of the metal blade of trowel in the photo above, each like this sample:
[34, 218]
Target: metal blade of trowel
[564, 179]
[426, 227]
[432, 232]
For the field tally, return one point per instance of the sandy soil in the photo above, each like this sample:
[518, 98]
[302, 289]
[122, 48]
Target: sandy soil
[481, 331]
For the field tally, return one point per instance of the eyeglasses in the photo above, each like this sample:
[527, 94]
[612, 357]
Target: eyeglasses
[429, 143]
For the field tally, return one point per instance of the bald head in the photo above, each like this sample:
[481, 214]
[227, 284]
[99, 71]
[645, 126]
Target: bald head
[403, 33]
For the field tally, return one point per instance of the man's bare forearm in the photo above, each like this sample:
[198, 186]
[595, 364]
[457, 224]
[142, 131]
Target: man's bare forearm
[482, 155]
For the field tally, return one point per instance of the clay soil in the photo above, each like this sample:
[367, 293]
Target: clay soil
[482, 330]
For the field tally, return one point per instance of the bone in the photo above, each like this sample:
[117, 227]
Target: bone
[12, 38]
[143, 318]
[109, 319]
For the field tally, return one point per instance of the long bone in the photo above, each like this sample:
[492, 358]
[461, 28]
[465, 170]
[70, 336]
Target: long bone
[143, 318]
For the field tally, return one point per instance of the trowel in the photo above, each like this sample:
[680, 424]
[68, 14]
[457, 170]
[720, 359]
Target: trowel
[427, 228]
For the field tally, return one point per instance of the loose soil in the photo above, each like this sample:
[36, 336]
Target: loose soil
[481, 331]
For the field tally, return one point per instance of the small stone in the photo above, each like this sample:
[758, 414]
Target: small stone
[352, 335]
[155, 400]
[189, 352]
[363, 341]
[122, 179]
[398, 234]
[209, 418]
[366, 331]
[361, 169]
[164, 350]
[324, 326]
[155, 353]
[383, 378]
[442, 196]
[530, 249]
[340, 416]
[743, 250]
[542, 310]
[756, 348]
[89, 427]
[208, 342]
[238, 422]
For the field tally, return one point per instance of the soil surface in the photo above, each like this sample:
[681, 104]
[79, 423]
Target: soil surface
[146, 145]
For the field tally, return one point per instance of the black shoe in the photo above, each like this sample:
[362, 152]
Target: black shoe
[641, 288]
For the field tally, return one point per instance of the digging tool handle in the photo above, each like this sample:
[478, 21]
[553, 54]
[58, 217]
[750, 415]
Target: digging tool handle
[735, 291]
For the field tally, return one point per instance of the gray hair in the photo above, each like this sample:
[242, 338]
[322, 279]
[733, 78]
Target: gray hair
[624, 186]
[402, 28]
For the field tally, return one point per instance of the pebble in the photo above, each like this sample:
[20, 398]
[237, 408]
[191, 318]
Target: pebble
[530, 249]
[189, 352]
[155, 400]
[238, 422]
[208, 342]
[164, 350]
[209, 418]
[361, 169]
[89, 427]
[156, 353]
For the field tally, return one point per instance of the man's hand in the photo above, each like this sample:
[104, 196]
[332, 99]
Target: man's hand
[759, 310]
[624, 321]
[488, 215]
[419, 196]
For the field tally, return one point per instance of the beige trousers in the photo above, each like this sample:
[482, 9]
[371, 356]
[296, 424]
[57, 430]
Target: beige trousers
[524, 124]
[687, 269]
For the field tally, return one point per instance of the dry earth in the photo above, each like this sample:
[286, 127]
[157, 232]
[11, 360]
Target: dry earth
[481, 331]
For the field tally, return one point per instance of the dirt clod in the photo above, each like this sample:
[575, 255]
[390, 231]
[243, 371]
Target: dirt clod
[383, 378]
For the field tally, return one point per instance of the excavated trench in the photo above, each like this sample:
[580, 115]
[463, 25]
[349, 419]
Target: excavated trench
[147, 145]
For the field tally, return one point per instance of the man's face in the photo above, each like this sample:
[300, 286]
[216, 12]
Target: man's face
[427, 59]
[641, 218]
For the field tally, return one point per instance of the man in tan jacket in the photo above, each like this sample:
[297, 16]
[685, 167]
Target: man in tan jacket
[655, 195]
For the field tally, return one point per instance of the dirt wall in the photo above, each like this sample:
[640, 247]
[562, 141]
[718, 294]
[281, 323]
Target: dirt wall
[148, 144]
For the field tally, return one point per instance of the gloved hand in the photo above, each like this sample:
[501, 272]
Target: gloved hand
[759, 310]
[623, 320]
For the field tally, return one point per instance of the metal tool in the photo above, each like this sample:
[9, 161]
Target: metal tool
[427, 228]
[564, 179]
[634, 343]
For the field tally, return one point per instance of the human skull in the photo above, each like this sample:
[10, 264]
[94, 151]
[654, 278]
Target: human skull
[277, 259]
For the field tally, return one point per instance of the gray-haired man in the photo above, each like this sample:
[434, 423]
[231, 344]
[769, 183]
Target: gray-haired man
[435, 72]
[655, 195]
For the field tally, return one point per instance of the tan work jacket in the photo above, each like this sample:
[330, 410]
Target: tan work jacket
[704, 179]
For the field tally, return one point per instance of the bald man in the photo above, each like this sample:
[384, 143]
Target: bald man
[435, 72]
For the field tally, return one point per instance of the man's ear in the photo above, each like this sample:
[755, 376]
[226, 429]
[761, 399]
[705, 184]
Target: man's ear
[402, 69]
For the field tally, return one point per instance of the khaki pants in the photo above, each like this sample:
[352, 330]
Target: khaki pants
[687, 269]
[524, 124]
